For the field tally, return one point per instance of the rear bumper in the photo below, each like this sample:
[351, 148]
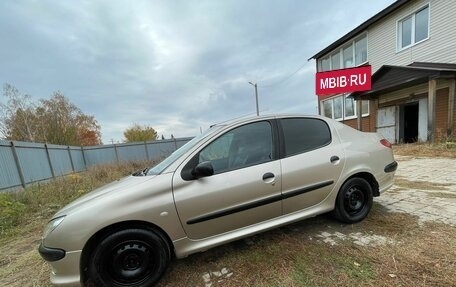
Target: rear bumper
[385, 178]
[391, 167]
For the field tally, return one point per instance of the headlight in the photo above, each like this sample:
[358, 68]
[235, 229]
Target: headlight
[53, 225]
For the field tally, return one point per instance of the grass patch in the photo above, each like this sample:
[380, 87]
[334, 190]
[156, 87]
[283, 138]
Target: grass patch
[426, 149]
[39, 201]
[442, 194]
[421, 185]
[294, 256]
[24, 213]
[415, 255]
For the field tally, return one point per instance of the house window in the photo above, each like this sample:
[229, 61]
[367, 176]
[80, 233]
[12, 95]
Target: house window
[337, 109]
[328, 108]
[349, 107]
[361, 51]
[421, 24]
[335, 61]
[325, 64]
[350, 55]
[413, 28]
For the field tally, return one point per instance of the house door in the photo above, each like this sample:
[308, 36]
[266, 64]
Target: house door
[386, 123]
[410, 123]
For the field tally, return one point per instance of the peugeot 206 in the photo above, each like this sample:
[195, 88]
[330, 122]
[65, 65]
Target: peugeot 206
[234, 180]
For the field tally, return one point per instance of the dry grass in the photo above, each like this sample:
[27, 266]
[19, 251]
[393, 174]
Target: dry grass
[421, 185]
[293, 256]
[417, 255]
[426, 149]
[20, 263]
[442, 194]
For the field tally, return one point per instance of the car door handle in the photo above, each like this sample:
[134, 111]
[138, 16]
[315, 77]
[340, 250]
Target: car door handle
[268, 175]
[334, 158]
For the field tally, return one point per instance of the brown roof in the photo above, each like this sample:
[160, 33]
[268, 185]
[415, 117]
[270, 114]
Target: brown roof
[361, 28]
[389, 78]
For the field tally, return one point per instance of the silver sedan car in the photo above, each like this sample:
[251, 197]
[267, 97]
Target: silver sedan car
[235, 180]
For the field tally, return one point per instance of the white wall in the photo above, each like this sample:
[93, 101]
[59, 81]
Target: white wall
[439, 47]
[422, 120]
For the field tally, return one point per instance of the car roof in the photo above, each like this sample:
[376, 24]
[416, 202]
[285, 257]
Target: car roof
[247, 119]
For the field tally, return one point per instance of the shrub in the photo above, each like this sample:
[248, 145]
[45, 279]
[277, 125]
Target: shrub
[10, 212]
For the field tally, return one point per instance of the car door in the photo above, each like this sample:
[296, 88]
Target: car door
[245, 186]
[312, 161]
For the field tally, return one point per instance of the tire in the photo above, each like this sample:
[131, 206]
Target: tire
[354, 201]
[130, 257]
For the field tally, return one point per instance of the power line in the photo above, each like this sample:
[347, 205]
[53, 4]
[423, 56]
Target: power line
[286, 78]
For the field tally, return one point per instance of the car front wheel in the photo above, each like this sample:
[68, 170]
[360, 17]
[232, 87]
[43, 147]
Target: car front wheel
[130, 257]
[354, 201]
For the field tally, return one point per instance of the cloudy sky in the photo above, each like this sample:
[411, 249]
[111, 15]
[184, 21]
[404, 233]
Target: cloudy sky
[175, 65]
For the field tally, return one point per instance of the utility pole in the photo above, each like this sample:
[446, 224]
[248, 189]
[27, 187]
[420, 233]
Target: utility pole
[256, 97]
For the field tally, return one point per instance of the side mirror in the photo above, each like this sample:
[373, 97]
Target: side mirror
[203, 169]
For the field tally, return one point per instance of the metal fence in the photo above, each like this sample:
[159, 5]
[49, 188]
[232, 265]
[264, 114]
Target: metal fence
[22, 163]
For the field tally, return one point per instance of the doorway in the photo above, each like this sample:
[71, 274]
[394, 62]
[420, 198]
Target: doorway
[410, 122]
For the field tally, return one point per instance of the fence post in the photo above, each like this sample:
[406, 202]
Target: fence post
[49, 159]
[18, 165]
[175, 143]
[147, 152]
[84, 158]
[115, 150]
[71, 158]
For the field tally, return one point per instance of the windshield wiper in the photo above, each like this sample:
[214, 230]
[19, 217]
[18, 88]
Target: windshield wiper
[142, 172]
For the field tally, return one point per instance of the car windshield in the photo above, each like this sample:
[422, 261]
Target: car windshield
[159, 168]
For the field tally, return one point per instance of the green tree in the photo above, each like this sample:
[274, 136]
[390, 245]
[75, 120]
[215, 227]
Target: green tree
[137, 133]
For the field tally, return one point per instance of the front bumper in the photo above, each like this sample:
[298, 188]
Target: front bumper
[51, 254]
[65, 270]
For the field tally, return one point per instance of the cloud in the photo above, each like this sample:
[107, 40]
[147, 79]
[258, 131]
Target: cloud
[176, 66]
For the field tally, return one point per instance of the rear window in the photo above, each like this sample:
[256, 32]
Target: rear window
[304, 134]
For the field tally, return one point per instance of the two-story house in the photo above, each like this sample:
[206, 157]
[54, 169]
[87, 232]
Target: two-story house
[411, 46]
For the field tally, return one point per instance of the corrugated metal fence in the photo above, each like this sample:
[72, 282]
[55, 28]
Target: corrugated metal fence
[23, 162]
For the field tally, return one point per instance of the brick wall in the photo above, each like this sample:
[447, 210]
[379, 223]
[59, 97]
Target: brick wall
[441, 113]
[368, 124]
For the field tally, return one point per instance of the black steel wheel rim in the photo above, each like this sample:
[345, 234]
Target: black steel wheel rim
[130, 262]
[354, 200]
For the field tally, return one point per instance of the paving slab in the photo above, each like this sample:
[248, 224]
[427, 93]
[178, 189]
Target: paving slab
[437, 202]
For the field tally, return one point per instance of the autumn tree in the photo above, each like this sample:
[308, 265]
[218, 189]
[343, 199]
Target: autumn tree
[17, 115]
[137, 133]
[55, 120]
[62, 122]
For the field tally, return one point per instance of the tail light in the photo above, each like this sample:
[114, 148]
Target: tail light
[386, 143]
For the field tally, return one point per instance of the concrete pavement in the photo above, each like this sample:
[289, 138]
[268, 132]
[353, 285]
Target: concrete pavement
[425, 187]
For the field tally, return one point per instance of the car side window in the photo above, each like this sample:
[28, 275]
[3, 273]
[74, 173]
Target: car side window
[244, 146]
[304, 134]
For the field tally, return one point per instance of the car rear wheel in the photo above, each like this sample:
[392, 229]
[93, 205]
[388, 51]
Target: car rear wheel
[130, 257]
[354, 201]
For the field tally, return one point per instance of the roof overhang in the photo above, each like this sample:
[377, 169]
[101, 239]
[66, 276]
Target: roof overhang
[390, 78]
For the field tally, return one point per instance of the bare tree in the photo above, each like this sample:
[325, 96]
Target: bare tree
[17, 116]
[55, 120]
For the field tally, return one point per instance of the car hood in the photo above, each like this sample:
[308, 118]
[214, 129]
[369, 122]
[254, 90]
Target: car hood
[108, 190]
